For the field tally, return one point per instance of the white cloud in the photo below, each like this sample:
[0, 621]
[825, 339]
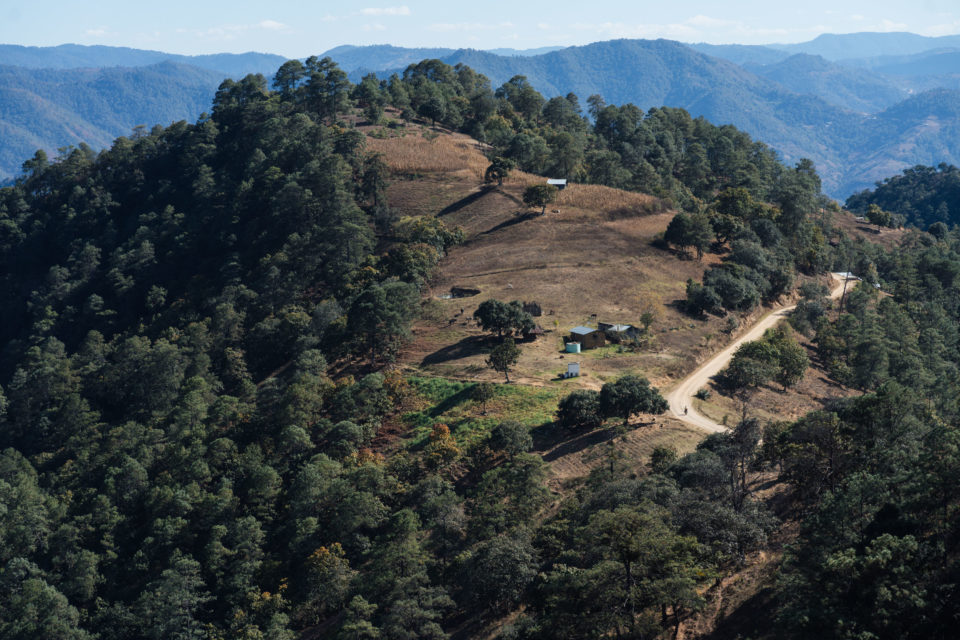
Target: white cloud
[272, 25]
[374, 27]
[386, 11]
[626, 30]
[890, 25]
[446, 27]
[944, 29]
[233, 31]
[708, 22]
[99, 32]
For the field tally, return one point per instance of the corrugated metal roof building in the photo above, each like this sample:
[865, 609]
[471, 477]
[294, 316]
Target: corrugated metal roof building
[587, 337]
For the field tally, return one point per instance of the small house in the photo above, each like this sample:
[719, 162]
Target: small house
[618, 332]
[559, 183]
[587, 337]
[573, 370]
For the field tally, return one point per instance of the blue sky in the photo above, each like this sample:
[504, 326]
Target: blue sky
[300, 28]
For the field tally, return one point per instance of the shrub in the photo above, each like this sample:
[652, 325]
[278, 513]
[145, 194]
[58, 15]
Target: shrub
[579, 410]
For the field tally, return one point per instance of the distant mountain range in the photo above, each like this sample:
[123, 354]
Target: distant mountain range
[76, 56]
[862, 106]
[860, 116]
[52, 108]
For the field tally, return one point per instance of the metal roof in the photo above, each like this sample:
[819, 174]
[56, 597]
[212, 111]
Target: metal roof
[620, 327]
[582, 330]
[556, 181]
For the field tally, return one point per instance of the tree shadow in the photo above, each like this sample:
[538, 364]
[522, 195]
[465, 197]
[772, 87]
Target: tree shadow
[557, 442]
[749, 620]
[467, 201]
[512, 221]
[469, 346]
[581, 442]
[449, 403]
[510, 196]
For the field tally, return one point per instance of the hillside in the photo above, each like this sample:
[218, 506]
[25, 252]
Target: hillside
[923, 129]
[238, 397]
[856, 90]
[49, 108]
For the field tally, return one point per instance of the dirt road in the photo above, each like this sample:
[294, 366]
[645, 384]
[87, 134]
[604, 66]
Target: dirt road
[681, 398]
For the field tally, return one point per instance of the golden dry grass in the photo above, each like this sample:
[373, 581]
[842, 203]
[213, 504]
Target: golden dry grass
[443, 154]
[460, 155]
[614, 202]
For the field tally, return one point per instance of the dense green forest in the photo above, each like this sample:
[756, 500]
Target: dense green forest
[923, 196]
[179, 460]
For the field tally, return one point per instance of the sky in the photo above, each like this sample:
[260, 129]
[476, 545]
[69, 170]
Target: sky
[298, 28]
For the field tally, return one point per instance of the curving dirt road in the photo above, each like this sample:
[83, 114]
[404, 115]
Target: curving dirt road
[681, 398]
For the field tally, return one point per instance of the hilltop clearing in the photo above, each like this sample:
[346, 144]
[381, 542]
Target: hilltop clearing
[591, 258]
[597, 255]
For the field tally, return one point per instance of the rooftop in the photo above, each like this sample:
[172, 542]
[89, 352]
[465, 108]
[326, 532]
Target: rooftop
[582, 331]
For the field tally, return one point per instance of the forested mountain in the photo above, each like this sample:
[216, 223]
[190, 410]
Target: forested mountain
[76, 56]
[853, 89]
[52, 97]
[51, 108]
[803, 106]
[379, 57]
[845, 46]
[175, 271]
[742, 54]
[922, 195]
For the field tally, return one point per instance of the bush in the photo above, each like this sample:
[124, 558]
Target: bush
[580, 410]
[511, 437]
[702, 394]
[503, 317]
[662, 458]
[702, 299]
[732, 323]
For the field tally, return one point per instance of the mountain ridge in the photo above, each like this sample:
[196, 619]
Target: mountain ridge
[802, 104]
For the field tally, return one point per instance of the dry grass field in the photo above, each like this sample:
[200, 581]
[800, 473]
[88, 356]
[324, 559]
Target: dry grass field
[592, 258]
